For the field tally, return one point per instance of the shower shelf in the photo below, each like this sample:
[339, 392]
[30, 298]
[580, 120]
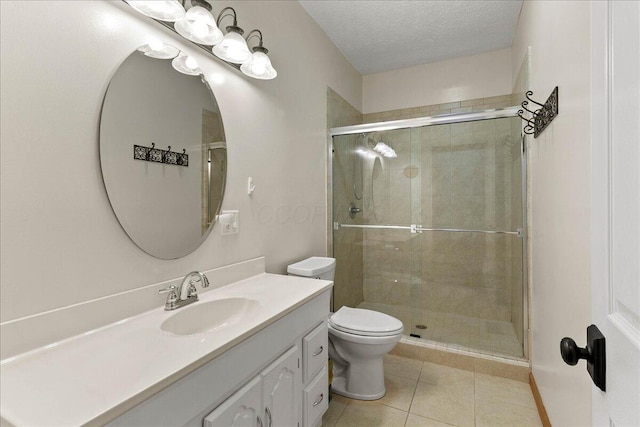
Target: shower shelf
[414, 228]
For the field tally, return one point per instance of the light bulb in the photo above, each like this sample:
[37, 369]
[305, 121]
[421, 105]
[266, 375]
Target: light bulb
[259, 67]
[233, 48]
[199, 29]
[156, 45]
[157, 49]
[199, 26]
[191, 63]
[186, 65]
[164, 10]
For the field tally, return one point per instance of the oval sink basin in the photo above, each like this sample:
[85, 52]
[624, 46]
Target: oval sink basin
[207, 316]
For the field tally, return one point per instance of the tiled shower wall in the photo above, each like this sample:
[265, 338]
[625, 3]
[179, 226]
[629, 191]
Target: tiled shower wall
[478, 104]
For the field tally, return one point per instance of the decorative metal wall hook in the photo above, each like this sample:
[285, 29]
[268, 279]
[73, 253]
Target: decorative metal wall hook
[541, 117]
[156, 155]
[529, 127]
[529, 94]
[524, 105]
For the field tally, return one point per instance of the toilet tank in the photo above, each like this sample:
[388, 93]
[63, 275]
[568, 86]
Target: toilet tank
[315, 268]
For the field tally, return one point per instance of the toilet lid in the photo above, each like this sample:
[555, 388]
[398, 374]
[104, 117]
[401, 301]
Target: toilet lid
[359, 321]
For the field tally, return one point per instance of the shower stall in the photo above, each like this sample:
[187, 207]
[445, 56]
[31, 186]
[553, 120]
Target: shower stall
[429, 226]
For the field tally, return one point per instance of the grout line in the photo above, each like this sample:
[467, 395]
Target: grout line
[475, 398]
[415, 388]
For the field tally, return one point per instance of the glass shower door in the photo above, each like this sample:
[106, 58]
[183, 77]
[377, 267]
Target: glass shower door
[425, 229]
[369, 173]
[469, 284]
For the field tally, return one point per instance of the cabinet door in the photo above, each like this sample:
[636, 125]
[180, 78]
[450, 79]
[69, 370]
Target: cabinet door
[282, 390]
[242, 409]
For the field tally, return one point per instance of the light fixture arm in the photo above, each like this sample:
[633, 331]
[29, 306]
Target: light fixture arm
[222, 15]
[257, 33]
[201, 3]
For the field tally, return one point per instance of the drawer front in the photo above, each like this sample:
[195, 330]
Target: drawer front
[316, 399]
[315, 351]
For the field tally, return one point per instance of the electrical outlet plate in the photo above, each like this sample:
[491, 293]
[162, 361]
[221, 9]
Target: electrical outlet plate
[229, 222]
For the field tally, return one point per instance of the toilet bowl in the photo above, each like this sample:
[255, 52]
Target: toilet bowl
[358, 339]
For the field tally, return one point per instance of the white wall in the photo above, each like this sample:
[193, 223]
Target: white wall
[478, 76]
[558, 34]
[60, 241]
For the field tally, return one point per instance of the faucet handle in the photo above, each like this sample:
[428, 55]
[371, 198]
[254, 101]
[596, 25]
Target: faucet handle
[193, 292]
[171, 290]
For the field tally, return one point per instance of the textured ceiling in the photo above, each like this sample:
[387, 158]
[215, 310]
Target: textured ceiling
[383, 35]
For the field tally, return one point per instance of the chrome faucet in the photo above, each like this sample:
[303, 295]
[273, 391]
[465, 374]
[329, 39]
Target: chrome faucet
[186, 293]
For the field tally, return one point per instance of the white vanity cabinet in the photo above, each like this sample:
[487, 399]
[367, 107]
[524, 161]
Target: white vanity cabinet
[274, 397]
[281, 390]
[243, 409]
[269, 399]
[276, 377]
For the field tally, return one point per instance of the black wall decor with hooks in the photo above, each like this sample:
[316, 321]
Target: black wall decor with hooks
[540, 117]
[153, 154]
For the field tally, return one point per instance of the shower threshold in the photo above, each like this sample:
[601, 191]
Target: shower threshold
[484, 336]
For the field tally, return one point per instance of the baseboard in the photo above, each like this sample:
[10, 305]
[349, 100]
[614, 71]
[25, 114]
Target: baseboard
[536, 395]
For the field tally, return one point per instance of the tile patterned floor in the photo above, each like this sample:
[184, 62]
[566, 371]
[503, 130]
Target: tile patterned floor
[483, 335]
[423, 394]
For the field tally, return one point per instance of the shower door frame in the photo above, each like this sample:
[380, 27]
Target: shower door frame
[508, 112]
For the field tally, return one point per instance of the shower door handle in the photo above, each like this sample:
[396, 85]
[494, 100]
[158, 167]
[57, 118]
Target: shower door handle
[353, 210]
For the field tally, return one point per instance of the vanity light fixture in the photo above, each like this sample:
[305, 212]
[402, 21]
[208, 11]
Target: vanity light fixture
[259, 66]
[186, 65]
[193, 20]
[233, 47]
[159, 50]
[163, 10]
[198, 25]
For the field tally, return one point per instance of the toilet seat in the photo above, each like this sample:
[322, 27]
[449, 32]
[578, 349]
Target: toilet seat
[359, 321]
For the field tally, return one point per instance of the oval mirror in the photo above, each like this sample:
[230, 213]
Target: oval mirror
[163, 155]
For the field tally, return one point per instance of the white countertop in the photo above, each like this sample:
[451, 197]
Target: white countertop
[99, 375]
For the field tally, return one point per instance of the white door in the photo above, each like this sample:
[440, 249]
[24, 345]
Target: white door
[282, 390]
[242, 409]
[615, 210]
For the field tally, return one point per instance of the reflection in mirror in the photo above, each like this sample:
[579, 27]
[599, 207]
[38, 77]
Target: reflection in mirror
[166, 206]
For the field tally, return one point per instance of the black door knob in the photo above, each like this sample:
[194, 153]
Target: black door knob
[594, 353]
[571, 353]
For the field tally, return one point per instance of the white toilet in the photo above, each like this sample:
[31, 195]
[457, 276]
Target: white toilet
[358, 339]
